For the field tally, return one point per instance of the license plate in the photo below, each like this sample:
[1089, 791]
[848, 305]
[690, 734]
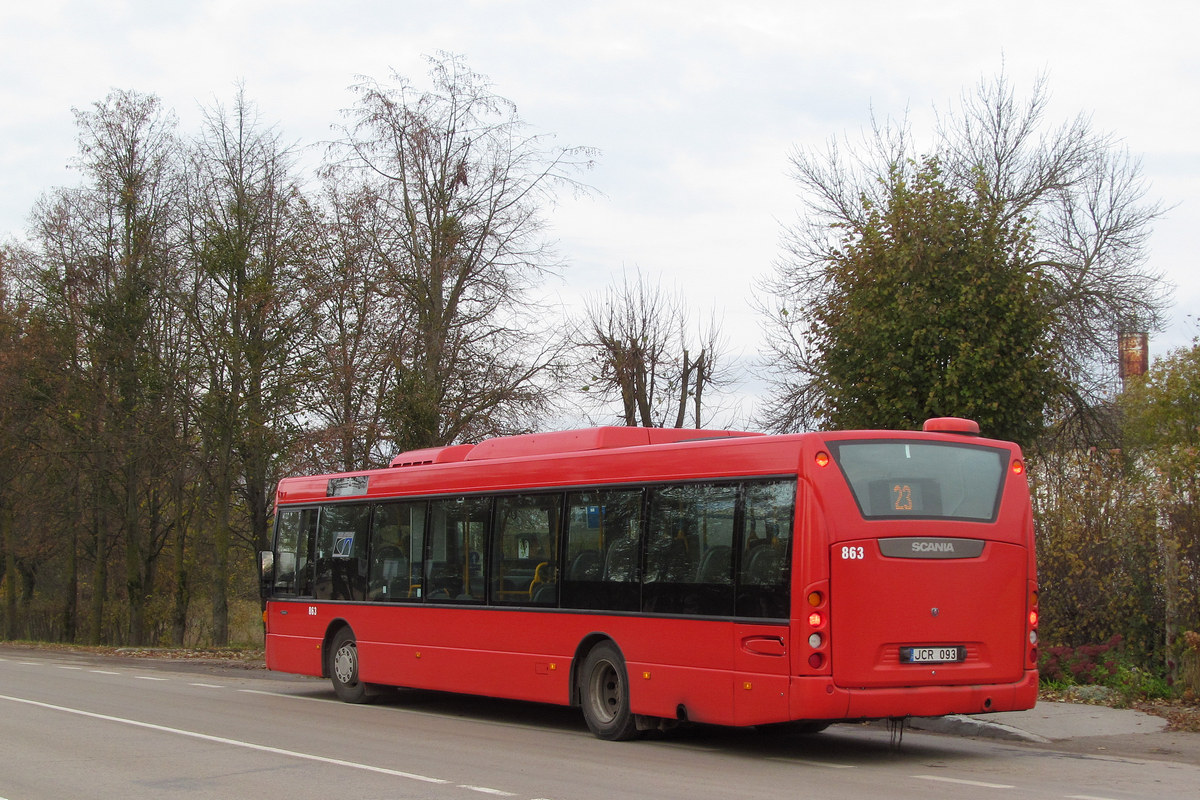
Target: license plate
[932, 655]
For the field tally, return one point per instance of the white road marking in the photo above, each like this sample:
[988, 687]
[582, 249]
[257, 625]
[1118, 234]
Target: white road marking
[236, 742]
[826, 764]
[104, 672]
[485, 790]
[149, 678]
[207, 685]
[286, 694]
[962, 782]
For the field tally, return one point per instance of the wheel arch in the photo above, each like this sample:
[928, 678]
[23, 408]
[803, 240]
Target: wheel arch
[581, 651]
[334, 628]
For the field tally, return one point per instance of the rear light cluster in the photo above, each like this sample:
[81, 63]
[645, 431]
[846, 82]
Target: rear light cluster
[818, 623]
[1033, 626]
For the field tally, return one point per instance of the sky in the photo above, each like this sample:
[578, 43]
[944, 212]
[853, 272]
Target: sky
[694, 107]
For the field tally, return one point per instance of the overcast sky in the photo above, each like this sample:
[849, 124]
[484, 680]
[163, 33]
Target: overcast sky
[694, 106]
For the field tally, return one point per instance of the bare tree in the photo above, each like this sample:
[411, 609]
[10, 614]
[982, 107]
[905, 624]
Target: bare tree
[247, 239]
[364, 334]
[1087, 198]
[462, 185]
[637, 348]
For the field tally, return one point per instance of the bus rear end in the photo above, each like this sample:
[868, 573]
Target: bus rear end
[929, 603]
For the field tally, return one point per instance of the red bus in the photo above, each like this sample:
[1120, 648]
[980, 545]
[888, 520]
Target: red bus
[649, 576]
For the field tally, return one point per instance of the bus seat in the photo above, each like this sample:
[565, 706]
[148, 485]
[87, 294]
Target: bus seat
[714, 566]
[668, 560]
[763, 568]
[542, 573]
[586, 566]
[620, 563]
[546, 594]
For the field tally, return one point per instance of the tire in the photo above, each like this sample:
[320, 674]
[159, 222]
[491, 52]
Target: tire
[604, 694]
[343, 668]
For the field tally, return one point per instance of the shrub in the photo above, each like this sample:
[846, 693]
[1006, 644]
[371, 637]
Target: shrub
[1089, 664]
[1101, 665]
[1189, 664]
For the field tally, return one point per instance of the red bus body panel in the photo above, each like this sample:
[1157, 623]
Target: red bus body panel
[723, 672]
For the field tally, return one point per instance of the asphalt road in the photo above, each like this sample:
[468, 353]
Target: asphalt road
[83, 726]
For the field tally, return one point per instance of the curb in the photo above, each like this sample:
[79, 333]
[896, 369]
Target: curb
[961, 725]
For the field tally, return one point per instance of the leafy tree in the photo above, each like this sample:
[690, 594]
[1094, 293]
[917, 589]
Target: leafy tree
[1162, 428]
[13, 417]
[1099, 566]
[101, 269]
[1060, 214]
[1119, 530]
[931, 309]
[462, 184]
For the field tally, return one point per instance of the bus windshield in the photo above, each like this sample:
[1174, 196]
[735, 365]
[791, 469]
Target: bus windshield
[896, 479]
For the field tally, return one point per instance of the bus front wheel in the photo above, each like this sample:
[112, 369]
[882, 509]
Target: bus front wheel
[604, 694]
[343, 668]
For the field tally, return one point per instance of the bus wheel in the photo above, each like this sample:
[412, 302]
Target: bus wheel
[604, 694]
[343, 668]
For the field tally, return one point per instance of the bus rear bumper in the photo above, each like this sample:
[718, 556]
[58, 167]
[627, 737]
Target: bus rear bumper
[817, 697]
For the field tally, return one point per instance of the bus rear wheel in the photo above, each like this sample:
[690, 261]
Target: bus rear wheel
[343, 668]
[604, 694]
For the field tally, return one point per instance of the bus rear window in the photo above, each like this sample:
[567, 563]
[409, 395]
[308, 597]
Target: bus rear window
[895, 479]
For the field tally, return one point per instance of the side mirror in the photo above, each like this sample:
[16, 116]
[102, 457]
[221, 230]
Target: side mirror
[266, 573]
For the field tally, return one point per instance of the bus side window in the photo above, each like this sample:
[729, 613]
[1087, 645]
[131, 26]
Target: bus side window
[602, 550]
[397, 547]
[690, 550]
[287, 539]
[457, 539]
[341, 563]
[525, 549]
[306, 548]
[764, 575]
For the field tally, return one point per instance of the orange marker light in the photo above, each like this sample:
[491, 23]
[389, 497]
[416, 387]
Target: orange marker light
[815, 599]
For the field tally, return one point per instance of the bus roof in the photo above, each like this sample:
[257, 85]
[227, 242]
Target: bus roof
[574, 441]
[588, 456]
